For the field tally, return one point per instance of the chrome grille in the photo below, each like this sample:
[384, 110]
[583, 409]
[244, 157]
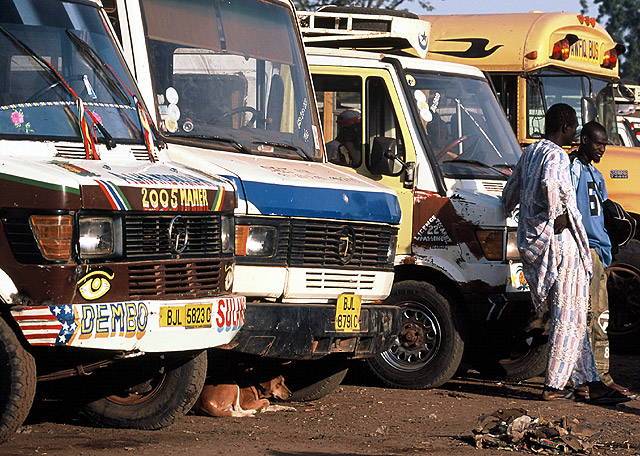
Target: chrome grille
[183, 279]
[147, 235]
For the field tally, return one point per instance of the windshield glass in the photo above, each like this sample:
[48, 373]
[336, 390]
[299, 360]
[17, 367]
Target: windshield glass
[464, 123]
[34, 102]
[232, 71]
[549, 89]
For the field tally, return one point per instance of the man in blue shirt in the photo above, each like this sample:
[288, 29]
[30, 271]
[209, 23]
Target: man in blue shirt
[590, 193]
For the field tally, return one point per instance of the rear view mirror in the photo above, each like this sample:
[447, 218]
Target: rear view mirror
[383, 156]
[589, 110]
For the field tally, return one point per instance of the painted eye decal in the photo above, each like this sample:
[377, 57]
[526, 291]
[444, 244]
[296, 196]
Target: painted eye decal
[95, 285]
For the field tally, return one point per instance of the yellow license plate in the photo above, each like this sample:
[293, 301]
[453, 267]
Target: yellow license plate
[190, 316]
[348, 313]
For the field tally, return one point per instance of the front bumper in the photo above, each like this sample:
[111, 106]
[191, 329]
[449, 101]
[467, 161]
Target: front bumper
[307, 331]
[146, 326]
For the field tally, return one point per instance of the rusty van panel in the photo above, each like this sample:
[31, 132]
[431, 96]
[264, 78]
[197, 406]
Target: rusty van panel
[437, 223]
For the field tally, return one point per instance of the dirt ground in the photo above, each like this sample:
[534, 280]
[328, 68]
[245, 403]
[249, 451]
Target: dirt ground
[359, 418]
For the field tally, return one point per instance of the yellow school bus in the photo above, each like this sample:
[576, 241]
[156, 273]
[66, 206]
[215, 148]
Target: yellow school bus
[535, 60]
[538, 59]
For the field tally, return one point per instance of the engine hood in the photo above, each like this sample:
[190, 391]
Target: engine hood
[101, 185]
[292, 188]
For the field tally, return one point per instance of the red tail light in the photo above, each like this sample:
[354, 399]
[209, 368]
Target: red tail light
[561, 50]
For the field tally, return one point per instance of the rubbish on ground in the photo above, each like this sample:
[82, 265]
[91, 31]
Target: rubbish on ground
[514, 429]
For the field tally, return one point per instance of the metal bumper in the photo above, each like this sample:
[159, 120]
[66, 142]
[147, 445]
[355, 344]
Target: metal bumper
[307, 331]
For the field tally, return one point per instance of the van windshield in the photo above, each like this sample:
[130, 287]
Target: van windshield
[464, 124]
[232, 71]
[73, 38]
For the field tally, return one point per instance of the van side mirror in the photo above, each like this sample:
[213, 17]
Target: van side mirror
[383, 156]
[589, 110]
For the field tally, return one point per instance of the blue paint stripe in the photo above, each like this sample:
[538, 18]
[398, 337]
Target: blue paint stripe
[115, 195]
[318, 202]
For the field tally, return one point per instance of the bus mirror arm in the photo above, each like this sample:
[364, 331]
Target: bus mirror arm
[589, 110]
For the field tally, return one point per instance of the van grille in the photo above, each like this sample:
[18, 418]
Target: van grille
[318, 243]
[182, 279]
[148, 235]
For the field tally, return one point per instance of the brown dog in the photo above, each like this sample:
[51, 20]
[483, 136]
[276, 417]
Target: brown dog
[228, 399]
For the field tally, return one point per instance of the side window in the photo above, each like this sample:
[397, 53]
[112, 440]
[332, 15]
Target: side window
[340, 107]
[381, 121]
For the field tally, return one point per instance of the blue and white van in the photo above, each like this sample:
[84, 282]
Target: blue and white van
[315, 243]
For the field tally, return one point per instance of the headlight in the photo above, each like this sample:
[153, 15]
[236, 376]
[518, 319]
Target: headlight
[491, 242]
[97, 236]
[512, 246]
[53, 234]
[226, 233]
[255, 240]
[391, 253]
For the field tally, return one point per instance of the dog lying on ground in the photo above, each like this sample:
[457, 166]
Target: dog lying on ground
[229, 399]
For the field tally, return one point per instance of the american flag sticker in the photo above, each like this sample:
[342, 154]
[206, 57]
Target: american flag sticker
[47, 325]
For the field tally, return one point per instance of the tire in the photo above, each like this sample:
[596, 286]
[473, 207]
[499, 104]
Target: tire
[623, 286]
[17, 381]
[312, 380]
[170, 389]
[429, 349]
[526, 359]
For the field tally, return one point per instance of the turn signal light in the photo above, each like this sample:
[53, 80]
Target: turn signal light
[53, 234]
[492, 242]
[561, 50]
[610, 59]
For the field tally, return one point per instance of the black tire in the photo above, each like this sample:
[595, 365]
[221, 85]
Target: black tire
[17, 382]
[526, 359]
[312, 380]
[623, 286]
[170, 390]
[429, 349]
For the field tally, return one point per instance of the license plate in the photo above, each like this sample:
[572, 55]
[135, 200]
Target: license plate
[189, 316]
[348, 313]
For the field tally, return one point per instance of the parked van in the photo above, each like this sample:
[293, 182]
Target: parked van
[315, 243]
[535, 60]
[435, 134]
[116, 263]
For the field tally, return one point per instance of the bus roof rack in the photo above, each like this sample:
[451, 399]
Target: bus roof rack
[365, 29]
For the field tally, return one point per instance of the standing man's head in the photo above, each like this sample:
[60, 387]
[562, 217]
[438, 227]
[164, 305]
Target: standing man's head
[560, 124]
[593, 141]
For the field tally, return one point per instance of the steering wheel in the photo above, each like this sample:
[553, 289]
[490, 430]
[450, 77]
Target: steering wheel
[46, 89]
[446, 150]
[254, 115]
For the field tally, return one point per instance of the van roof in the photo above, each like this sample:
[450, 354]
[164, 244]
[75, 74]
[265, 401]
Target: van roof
[410, 63]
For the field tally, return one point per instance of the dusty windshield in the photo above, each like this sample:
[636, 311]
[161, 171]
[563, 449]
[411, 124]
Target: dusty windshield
[232, 71]
[549, 89]
[464, 124]
[39, 38]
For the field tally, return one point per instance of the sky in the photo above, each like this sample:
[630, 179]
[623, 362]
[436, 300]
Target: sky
[500, 6]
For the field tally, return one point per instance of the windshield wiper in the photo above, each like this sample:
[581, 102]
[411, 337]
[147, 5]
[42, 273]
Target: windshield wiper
[98, 64]
[53, 73]
[116, 83]
[232, 142]
[286, 146]
[477, 163]
[486, 136]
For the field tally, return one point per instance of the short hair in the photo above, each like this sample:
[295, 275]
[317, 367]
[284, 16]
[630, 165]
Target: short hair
[558, 115]
[591, 127]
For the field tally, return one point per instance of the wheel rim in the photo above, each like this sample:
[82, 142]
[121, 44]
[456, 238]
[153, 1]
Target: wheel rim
[139, 393]
[418, 342]
[623, 286]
